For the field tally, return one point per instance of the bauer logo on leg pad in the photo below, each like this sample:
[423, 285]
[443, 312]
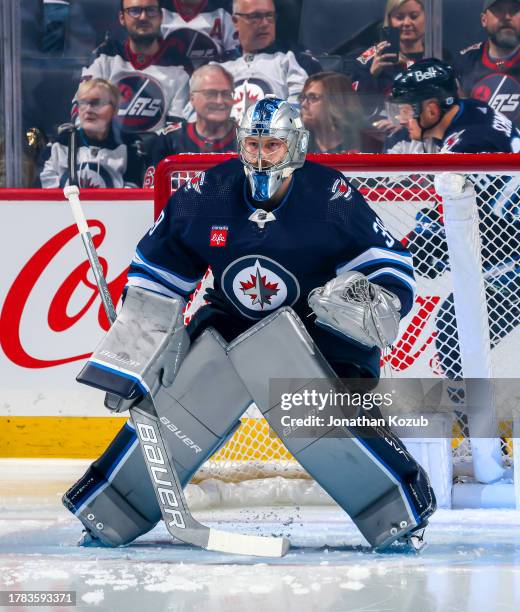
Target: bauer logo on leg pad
[161, 479]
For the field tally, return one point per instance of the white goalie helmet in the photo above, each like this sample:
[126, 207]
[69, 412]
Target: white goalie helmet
[277, 119]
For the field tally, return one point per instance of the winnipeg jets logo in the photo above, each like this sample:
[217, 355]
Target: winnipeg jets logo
[246, 93]
[259, 289]
[142, 103]
[195, 182]
[340, 189]
[257, 285]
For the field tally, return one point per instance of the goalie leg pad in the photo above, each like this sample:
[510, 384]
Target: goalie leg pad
[371, 485]
[147, 338]
[199, 412]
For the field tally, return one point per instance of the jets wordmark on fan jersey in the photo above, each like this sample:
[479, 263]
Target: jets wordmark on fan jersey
[154, 89]
[494, 81]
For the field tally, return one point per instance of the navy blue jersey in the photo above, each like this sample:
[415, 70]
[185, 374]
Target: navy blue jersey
[323, 227]
[495, 81]
[477, 128]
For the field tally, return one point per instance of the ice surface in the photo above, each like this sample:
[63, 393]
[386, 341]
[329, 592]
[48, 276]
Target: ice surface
[472, 562]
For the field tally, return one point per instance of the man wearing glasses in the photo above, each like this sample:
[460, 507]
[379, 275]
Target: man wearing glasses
[263, 67]
[204, 29]
[150, 74]
[213, 131]
[105, 158]
[490, 71]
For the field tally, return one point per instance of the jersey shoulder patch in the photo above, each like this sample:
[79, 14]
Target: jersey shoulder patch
[195, 183]
[452, 141]
[172, 127]
[367, 55]
[472, 47]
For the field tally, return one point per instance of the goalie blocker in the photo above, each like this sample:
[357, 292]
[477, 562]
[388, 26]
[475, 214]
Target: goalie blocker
[380, 486]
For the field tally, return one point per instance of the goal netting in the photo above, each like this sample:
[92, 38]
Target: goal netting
[483, 340]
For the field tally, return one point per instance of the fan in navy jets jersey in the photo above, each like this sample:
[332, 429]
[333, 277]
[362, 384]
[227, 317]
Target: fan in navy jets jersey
[490, 71]
[200, 29]
[429, 108]
[262, 67]
[149, 72]
[271, 237]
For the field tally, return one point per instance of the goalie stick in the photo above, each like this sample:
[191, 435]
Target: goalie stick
[170, 496]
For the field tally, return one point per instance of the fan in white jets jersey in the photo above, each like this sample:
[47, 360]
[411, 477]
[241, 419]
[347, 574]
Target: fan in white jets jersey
[149, 72]
[105, 157]
[200, 29]
[262, 67]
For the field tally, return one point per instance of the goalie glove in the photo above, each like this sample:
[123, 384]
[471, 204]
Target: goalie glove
[352, 306]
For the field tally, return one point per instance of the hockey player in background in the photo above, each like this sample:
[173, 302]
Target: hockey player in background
[150, 74]
[490, 71]
[286, 240]
[429, 107]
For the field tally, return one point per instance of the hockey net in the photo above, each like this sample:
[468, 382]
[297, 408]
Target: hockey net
[400, 188]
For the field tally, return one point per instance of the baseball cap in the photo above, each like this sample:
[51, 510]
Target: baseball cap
[489, 3]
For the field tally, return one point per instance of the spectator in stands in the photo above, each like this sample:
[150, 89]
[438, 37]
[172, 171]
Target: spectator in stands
[149, 72]
[331, 112]
[202, 29]
[262, 67]
[105, 157]
[490, 71]
[213, 131]
[376, 69]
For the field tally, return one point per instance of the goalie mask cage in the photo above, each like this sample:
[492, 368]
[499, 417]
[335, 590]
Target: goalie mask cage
[466, 316]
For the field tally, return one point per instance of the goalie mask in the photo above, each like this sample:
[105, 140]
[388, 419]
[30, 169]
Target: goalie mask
[272, 143]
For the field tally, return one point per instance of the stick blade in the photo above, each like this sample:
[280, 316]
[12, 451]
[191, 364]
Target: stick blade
[239, 544]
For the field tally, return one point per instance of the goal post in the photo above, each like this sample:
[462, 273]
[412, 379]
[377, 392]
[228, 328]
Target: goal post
[466, 318]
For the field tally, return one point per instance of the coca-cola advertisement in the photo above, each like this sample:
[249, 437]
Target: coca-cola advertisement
[51, 315]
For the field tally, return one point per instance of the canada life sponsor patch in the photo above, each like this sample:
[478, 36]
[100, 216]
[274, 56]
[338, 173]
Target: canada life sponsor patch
[218, 235]
[257, 285]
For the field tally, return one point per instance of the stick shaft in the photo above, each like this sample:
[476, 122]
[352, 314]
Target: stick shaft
[171, 500]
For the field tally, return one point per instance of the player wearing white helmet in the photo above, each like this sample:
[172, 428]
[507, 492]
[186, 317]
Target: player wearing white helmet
[289, 240]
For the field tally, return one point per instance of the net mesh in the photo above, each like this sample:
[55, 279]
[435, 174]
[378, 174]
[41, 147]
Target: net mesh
[427, 345]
